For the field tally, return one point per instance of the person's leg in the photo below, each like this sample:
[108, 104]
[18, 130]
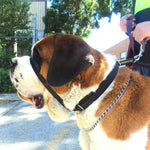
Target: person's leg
[145, 71]
[138, 68]
[142, 70]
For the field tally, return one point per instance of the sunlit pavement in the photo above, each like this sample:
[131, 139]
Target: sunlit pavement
[22, 127]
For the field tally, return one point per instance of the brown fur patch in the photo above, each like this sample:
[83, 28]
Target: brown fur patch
[132, 112]
[45, 48]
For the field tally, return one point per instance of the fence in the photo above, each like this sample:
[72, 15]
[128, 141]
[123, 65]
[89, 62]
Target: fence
[22, 41]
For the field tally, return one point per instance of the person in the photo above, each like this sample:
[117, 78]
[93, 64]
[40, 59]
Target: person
[140, 32]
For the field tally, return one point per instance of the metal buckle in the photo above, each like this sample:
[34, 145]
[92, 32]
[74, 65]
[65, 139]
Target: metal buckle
[80, 107]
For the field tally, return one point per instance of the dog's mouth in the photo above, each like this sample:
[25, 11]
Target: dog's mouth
[37, 101]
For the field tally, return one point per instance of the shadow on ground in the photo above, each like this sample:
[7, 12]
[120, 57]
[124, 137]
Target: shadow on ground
[22, 127]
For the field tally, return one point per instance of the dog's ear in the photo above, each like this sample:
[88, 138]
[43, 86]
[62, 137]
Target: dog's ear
[71, 56]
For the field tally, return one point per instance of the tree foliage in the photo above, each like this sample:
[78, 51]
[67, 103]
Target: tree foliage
[78, 17]
[121, 6]
[14, 15]
[5, 83]
[71, 16]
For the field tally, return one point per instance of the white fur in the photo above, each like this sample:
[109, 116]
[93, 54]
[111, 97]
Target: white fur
[90, 58]
[61, 115]
[98, 140]
[111, 60]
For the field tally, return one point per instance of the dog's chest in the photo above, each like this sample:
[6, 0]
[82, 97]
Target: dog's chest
[97, 139]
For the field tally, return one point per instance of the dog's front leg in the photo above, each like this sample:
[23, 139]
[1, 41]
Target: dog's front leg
[84, 140]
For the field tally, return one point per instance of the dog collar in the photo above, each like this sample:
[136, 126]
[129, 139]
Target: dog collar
[88, 99]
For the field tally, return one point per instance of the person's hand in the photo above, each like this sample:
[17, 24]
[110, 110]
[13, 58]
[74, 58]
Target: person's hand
[123, 22]
[142, 32]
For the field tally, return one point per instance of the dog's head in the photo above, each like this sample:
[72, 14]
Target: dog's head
[63, 60]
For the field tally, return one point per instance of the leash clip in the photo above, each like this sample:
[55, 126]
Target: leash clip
[142, 48]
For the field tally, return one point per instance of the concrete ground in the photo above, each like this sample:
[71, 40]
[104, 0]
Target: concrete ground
[22, 127]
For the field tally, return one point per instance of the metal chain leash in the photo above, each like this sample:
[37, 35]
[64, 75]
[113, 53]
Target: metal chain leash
[109, 107]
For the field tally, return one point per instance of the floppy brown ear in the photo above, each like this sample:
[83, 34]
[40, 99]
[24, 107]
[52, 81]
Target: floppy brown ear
[69, 59]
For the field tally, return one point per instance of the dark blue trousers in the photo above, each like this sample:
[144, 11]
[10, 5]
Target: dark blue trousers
[142, 70]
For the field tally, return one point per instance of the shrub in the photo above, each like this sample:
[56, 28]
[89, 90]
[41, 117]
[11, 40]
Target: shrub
[5, 82]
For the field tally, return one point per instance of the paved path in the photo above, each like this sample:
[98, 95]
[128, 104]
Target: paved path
[9, 97]
[22, 127]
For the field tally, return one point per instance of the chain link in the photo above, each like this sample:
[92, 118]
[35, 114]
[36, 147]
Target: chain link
[109, 107]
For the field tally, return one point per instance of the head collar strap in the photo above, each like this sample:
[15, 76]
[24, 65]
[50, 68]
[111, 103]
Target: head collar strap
[45, 83]
[87, 100]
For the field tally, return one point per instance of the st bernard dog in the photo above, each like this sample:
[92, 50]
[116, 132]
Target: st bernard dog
[111, 104]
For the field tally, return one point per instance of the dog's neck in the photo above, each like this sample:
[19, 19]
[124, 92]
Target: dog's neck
[72, 97]
[76, 93]
[86, 119]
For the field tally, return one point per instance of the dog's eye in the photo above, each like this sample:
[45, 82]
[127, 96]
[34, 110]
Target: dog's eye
[14, 63]
[21, 75]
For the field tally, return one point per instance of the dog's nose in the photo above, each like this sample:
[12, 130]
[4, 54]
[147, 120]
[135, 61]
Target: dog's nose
[14, 63]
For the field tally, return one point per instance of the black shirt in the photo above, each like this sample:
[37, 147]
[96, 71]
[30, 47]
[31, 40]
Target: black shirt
[142, 16]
